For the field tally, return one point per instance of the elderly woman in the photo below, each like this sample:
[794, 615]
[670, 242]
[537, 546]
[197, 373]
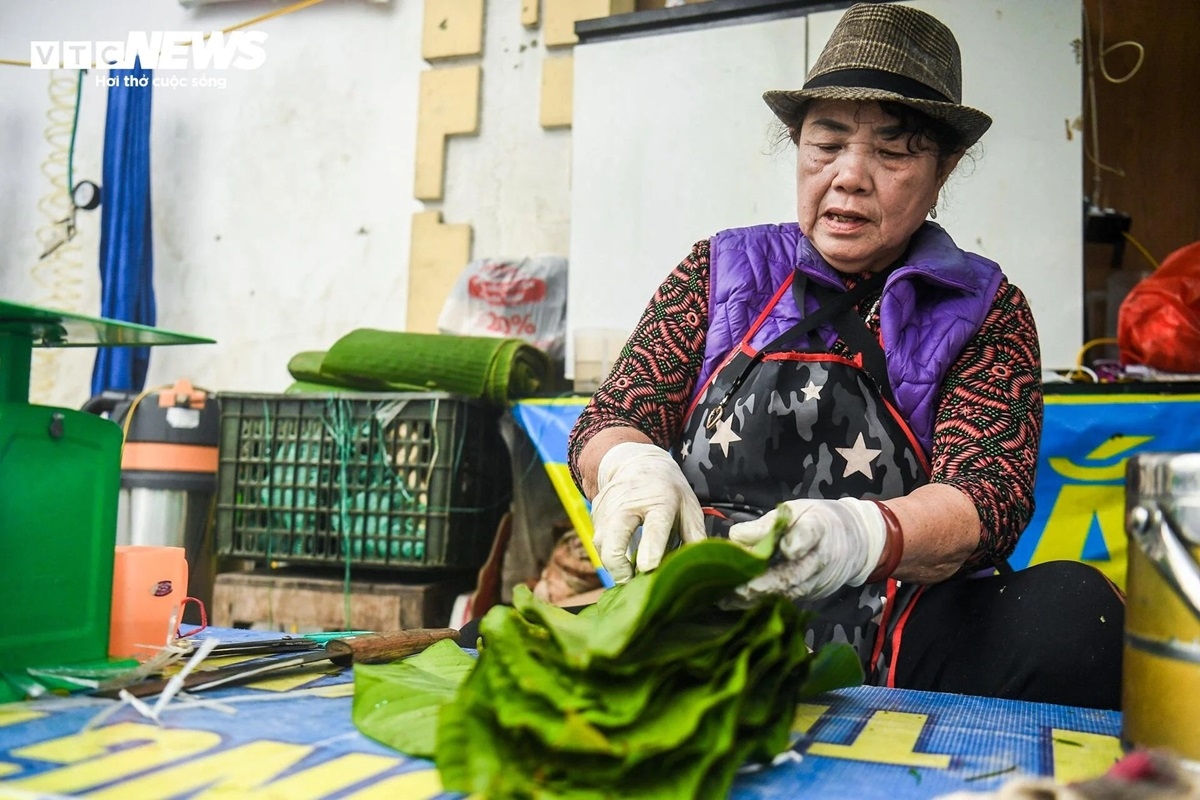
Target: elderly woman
[875, 382]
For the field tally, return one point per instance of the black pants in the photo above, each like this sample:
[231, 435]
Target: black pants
[1052, 633]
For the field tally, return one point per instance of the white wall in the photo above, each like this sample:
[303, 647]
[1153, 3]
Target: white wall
[512, 182]
[283, 202]
[671, 145]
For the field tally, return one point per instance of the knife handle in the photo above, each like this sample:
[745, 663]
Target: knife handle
[380, 648]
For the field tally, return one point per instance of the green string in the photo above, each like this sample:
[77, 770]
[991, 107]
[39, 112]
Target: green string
[269, 445]
[391, 513]
[71, 148]
[335, 408]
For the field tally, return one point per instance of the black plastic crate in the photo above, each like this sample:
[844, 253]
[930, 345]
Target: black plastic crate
[413, 480]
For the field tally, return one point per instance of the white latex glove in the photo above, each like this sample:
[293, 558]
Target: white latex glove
[640, 484]
[829, 544]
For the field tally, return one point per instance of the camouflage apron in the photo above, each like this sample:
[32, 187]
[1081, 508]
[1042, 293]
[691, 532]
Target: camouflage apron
[795, 421]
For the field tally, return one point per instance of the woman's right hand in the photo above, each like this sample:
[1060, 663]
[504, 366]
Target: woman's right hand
[639, 484]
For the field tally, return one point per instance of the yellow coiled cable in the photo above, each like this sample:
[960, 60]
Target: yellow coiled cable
[59, 273]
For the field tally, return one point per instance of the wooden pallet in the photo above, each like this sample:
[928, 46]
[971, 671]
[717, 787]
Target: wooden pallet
[273, 600]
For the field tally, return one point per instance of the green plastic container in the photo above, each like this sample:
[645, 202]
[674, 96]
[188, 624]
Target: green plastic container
[60, 473]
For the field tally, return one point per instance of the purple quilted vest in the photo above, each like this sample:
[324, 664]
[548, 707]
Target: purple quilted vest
[931, 307]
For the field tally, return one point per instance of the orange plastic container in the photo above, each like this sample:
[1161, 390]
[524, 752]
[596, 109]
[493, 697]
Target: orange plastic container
[149, 589]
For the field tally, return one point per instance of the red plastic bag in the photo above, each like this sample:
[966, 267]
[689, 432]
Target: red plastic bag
[1158, 324]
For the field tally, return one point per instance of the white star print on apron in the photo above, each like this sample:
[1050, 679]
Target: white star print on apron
[784, 423]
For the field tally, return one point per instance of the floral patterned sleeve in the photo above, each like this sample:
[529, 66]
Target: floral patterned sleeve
[651, 382]
[989, 424]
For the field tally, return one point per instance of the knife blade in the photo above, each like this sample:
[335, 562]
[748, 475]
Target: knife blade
[287, 644]
[371, 648]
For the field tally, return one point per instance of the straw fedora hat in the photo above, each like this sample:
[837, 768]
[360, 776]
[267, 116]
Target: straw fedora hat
[880, 51]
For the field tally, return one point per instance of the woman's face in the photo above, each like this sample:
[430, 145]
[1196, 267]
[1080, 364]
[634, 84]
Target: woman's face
[860, 193]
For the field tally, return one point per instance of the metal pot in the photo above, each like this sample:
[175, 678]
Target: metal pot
[1161, 680]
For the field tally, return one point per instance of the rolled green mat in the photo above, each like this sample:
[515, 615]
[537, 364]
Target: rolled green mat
[489, 368]
[308, 387]
[306, 368]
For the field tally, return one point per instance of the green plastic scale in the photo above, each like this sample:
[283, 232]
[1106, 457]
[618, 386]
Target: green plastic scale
[60, 473]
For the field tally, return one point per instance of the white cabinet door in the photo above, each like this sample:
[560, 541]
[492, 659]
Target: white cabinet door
[1018, 198]
[672, 143]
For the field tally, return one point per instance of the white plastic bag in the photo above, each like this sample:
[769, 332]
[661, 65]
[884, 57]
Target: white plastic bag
[511, 298]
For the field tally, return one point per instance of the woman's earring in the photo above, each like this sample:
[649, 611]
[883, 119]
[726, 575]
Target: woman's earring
[933, 211]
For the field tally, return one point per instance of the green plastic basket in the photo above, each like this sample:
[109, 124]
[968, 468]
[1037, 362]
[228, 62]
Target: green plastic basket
[394, 481]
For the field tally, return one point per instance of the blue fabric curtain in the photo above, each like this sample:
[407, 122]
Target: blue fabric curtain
[126, 249]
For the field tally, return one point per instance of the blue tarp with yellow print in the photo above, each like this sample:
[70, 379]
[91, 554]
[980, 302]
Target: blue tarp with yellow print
[1087, 442]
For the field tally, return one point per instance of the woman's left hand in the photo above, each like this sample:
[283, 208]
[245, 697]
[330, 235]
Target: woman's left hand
[828, 544]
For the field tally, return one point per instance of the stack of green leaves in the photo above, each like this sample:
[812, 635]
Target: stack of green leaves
[654, 692]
